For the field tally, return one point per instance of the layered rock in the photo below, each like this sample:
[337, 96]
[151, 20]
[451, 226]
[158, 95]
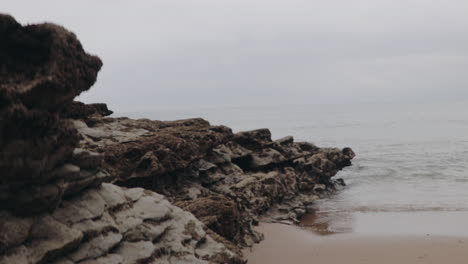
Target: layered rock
[228, 181]
[43, 68]
[53, 205]
[79, 110]
[110, 224]
[55, 155]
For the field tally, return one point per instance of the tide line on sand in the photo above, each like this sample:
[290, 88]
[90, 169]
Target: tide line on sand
[293, 244]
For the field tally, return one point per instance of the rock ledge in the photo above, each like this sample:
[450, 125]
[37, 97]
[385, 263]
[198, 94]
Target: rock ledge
[79, 187]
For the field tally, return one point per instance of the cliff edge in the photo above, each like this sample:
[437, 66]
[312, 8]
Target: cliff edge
[77, 186]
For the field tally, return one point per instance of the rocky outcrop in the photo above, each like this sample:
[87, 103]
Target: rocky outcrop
[43, 68]
[228, 181]
[79, 187]
[79, 110]
[110, 224]
[54, 207]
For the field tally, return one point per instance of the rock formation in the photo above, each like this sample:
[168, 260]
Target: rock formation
[79, 187]
[53, 205]
[226, 180]
[43, 68]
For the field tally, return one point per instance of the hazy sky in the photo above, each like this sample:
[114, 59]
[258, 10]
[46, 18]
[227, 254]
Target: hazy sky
[160, 54]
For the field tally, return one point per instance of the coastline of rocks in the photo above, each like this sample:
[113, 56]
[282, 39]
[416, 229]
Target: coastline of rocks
[78, 186]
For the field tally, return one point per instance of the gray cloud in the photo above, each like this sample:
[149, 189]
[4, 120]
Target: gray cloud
[209, 52]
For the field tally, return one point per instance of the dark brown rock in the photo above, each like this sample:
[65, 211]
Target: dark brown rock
[55, 154]
[43, 68]
[217, 212]
[227, 181]
[79, 110]
[254, 139]
[163, 151]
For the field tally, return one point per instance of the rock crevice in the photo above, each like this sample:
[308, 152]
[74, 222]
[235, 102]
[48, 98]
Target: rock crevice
[79, 187]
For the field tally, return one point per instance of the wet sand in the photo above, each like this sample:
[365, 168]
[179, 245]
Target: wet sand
[404, 238]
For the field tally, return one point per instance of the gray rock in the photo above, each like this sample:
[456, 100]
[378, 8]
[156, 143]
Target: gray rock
[266, 157]
[108, 259]
[285, 140]
[83, 129]
[48, 239]
[134, 194]
[96, 247]
[135, 252]
[91, 227]
[112, 195]
[88, 206]
[86, 179]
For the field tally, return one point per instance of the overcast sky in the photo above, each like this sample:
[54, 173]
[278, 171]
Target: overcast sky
[173, 53]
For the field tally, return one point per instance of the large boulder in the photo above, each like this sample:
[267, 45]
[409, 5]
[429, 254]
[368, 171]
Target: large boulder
[54, 207]
[43, 68]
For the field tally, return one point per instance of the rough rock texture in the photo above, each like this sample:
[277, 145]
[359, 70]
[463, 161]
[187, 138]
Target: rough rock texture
[43, 67]
[110, 224]
[79, 110]
[53, 205]
[228, 181]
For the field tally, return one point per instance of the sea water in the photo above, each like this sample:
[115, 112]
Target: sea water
[410, 157]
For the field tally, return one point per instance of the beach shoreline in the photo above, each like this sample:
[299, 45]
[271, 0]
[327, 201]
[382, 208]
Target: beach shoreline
[434, 241]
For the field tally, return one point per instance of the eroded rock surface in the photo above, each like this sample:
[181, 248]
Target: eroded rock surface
[228, 181]
[43, 67]
[54, 207]
[111, 224]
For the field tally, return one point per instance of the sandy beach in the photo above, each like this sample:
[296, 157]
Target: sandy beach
[378, 238]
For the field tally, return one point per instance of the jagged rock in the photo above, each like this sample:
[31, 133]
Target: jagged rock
[219, 213]
[171, 147]
[113, 196]
[262, 190]
[229, 152]
[86, 179]
[96, 247]
[67, 171]
[255, 139]
[87, 159]
[88, 132]
[79, 110]
[136, 252]
[55, 208]
[110, 224]
[288, 140]
[266, 157]
[241, 176]
[47, 240]
[43, 68]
